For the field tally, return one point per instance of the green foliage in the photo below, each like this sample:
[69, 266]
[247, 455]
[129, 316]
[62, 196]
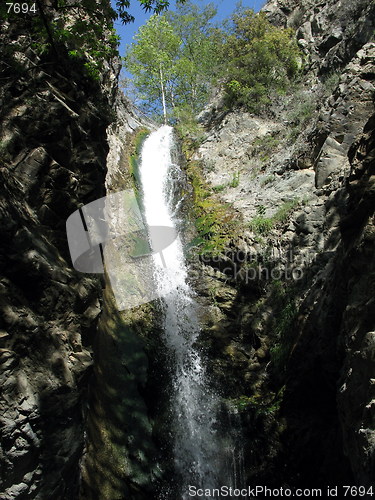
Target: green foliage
[285, 319]
[262, 225]
[152, 59]
[187, 126]
[213, 220]
[261, 58]
[261, 210]
[279, 356]
[134, 162]
[235, 180]
[264, 146]
[302, 109]
[258, 404]
[219, 188]
[155, 6]
[209, 165]
[82, 30]
[283, 213]
[331, 81]
[85, 31]
[140, 139]
[173, 58]
[198, 57]
[233, 183]
[286, 313]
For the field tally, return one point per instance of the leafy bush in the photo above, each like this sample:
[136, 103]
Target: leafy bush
[331, 81]
[283, 213]
[285, 316]
[219, 188]
[264, 146]
[261, 58]
[186, 124]
[260, 405]
[302, 110]
[214, 222]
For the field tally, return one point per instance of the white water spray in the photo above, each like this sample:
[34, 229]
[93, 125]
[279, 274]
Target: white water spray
[196, 449]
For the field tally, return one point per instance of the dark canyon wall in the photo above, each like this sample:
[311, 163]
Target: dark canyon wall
[53, 160]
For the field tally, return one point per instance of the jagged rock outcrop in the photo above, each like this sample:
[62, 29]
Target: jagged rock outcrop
[356, 390]
[330, 32]
[53, 160]
[333, 357]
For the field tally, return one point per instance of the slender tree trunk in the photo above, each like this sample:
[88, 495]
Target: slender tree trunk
[163, 94]
[48, 28]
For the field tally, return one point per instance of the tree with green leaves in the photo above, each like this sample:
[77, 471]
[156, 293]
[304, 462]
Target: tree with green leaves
[179, 58]
[260, 58]
[173, 60]
[152, 59]
[198, 55]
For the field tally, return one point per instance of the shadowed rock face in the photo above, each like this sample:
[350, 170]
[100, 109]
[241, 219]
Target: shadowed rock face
[53, 152]
[328, 387]
[356, 390]
[300, 352]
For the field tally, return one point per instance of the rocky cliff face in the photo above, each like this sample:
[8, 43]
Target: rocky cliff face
[289, 308]
[121, 456]
[53, 160]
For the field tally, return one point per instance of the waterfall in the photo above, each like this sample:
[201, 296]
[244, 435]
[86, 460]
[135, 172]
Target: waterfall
[198, 456]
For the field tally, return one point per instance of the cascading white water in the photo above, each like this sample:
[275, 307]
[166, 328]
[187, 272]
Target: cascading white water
[197, 453]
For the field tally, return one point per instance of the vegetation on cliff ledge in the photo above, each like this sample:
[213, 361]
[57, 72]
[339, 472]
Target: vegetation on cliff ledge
[179, 60]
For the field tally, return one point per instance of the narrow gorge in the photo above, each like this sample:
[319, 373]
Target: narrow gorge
[225, 339]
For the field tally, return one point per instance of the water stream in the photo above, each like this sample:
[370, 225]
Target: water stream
[199, 457]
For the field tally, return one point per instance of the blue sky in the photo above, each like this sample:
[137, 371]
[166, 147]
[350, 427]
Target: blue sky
[225, 8]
